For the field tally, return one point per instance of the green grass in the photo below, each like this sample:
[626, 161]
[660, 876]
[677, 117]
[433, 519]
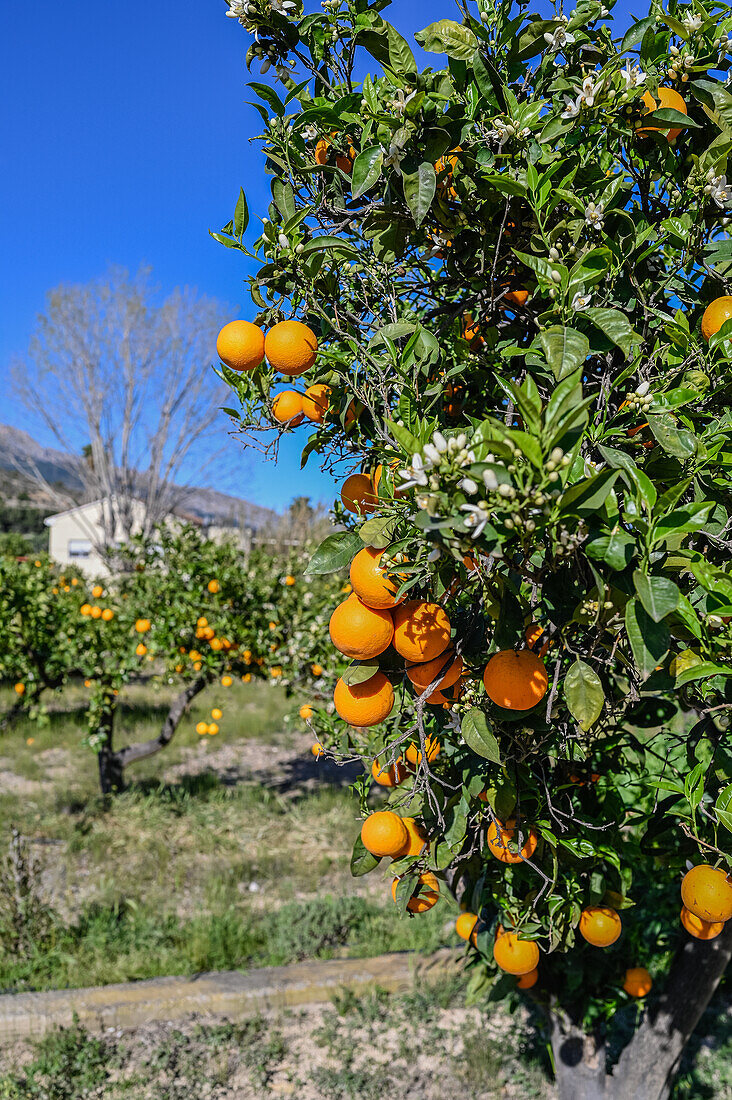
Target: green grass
[210, 870]
[125, 942]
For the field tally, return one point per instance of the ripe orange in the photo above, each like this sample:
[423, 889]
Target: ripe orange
[384, 834]
[390, 776]
[426, 893]
[421, 630]
[444, 168]
[345, 163]
[600, 925]
[423, 674]
[532, 634]
[141, 626]
[316, 670]
[306, 712]
[226, 681]
[716, 313]
[290, 580]
[666, 97]
[465, 925]
[97, 591]
[291, 347]
[287, 408]
[364, 704]
[85, 609]
[414, 753]
[316, 749]
[527, 981]
[369, 581]
[107, 614]
[240, 345]
[471, 331]
[516, 297]
[698, 928]
[638, 982]
[416, 838]
[359, 631]
[96, 612]
[707, 893]
[516, 681]
[503, 846]
[213, 729]
[514, 955]
[357, 494]
[316, 401]
[141, 650]
[213, 587]
[19, 689]
[201, 728]
[202, 622]
[216, 713]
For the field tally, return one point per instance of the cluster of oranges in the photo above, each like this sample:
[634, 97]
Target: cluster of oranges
[93, 611]
[210, 728]
[290, 347]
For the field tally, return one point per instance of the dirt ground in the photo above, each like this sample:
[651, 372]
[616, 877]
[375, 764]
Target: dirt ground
[418, 1046]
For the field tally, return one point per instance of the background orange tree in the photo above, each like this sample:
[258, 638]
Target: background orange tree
[183, 613]
[503, 264]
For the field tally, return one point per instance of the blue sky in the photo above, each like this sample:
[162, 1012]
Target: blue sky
[125, 134]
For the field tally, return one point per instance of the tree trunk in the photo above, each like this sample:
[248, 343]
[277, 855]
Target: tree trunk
[110, 773]
[579, 1060]
[112, 764]
[650, 1062]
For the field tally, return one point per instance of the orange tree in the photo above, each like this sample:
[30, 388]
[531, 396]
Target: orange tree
[182, 612]
[494, 291]
[37, 604]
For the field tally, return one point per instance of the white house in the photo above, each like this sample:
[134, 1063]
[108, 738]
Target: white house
[73, 535]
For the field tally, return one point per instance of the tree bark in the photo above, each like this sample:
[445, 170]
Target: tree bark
[579, 1060]
[111, 778]
[648, 1065]
[112, 763]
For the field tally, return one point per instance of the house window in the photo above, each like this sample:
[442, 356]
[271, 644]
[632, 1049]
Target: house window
[79, 548]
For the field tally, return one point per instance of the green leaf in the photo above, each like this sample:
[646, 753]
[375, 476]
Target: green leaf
[478, 735]
[694, 785]
[634, 36]
[241, 214]
[703, 670]
[584, 694]
[401, 57]
[691, 517]
[723, 807]
[659, 595]
[366, 170]
[565, 349]
[404, 438]
[360, 672]
[334, 553]
[669, 116]
[447, 36]
[648, 640]
[320, 244]
[616, 549]
[587, 496]
[615, 325]
[676, 442]
[419, 190]
[361, 859]
[378, 532]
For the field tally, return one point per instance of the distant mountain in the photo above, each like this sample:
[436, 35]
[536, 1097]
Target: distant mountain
[19, 453]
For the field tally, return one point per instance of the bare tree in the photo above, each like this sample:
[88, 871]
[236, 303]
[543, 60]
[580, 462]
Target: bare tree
[121, 378]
